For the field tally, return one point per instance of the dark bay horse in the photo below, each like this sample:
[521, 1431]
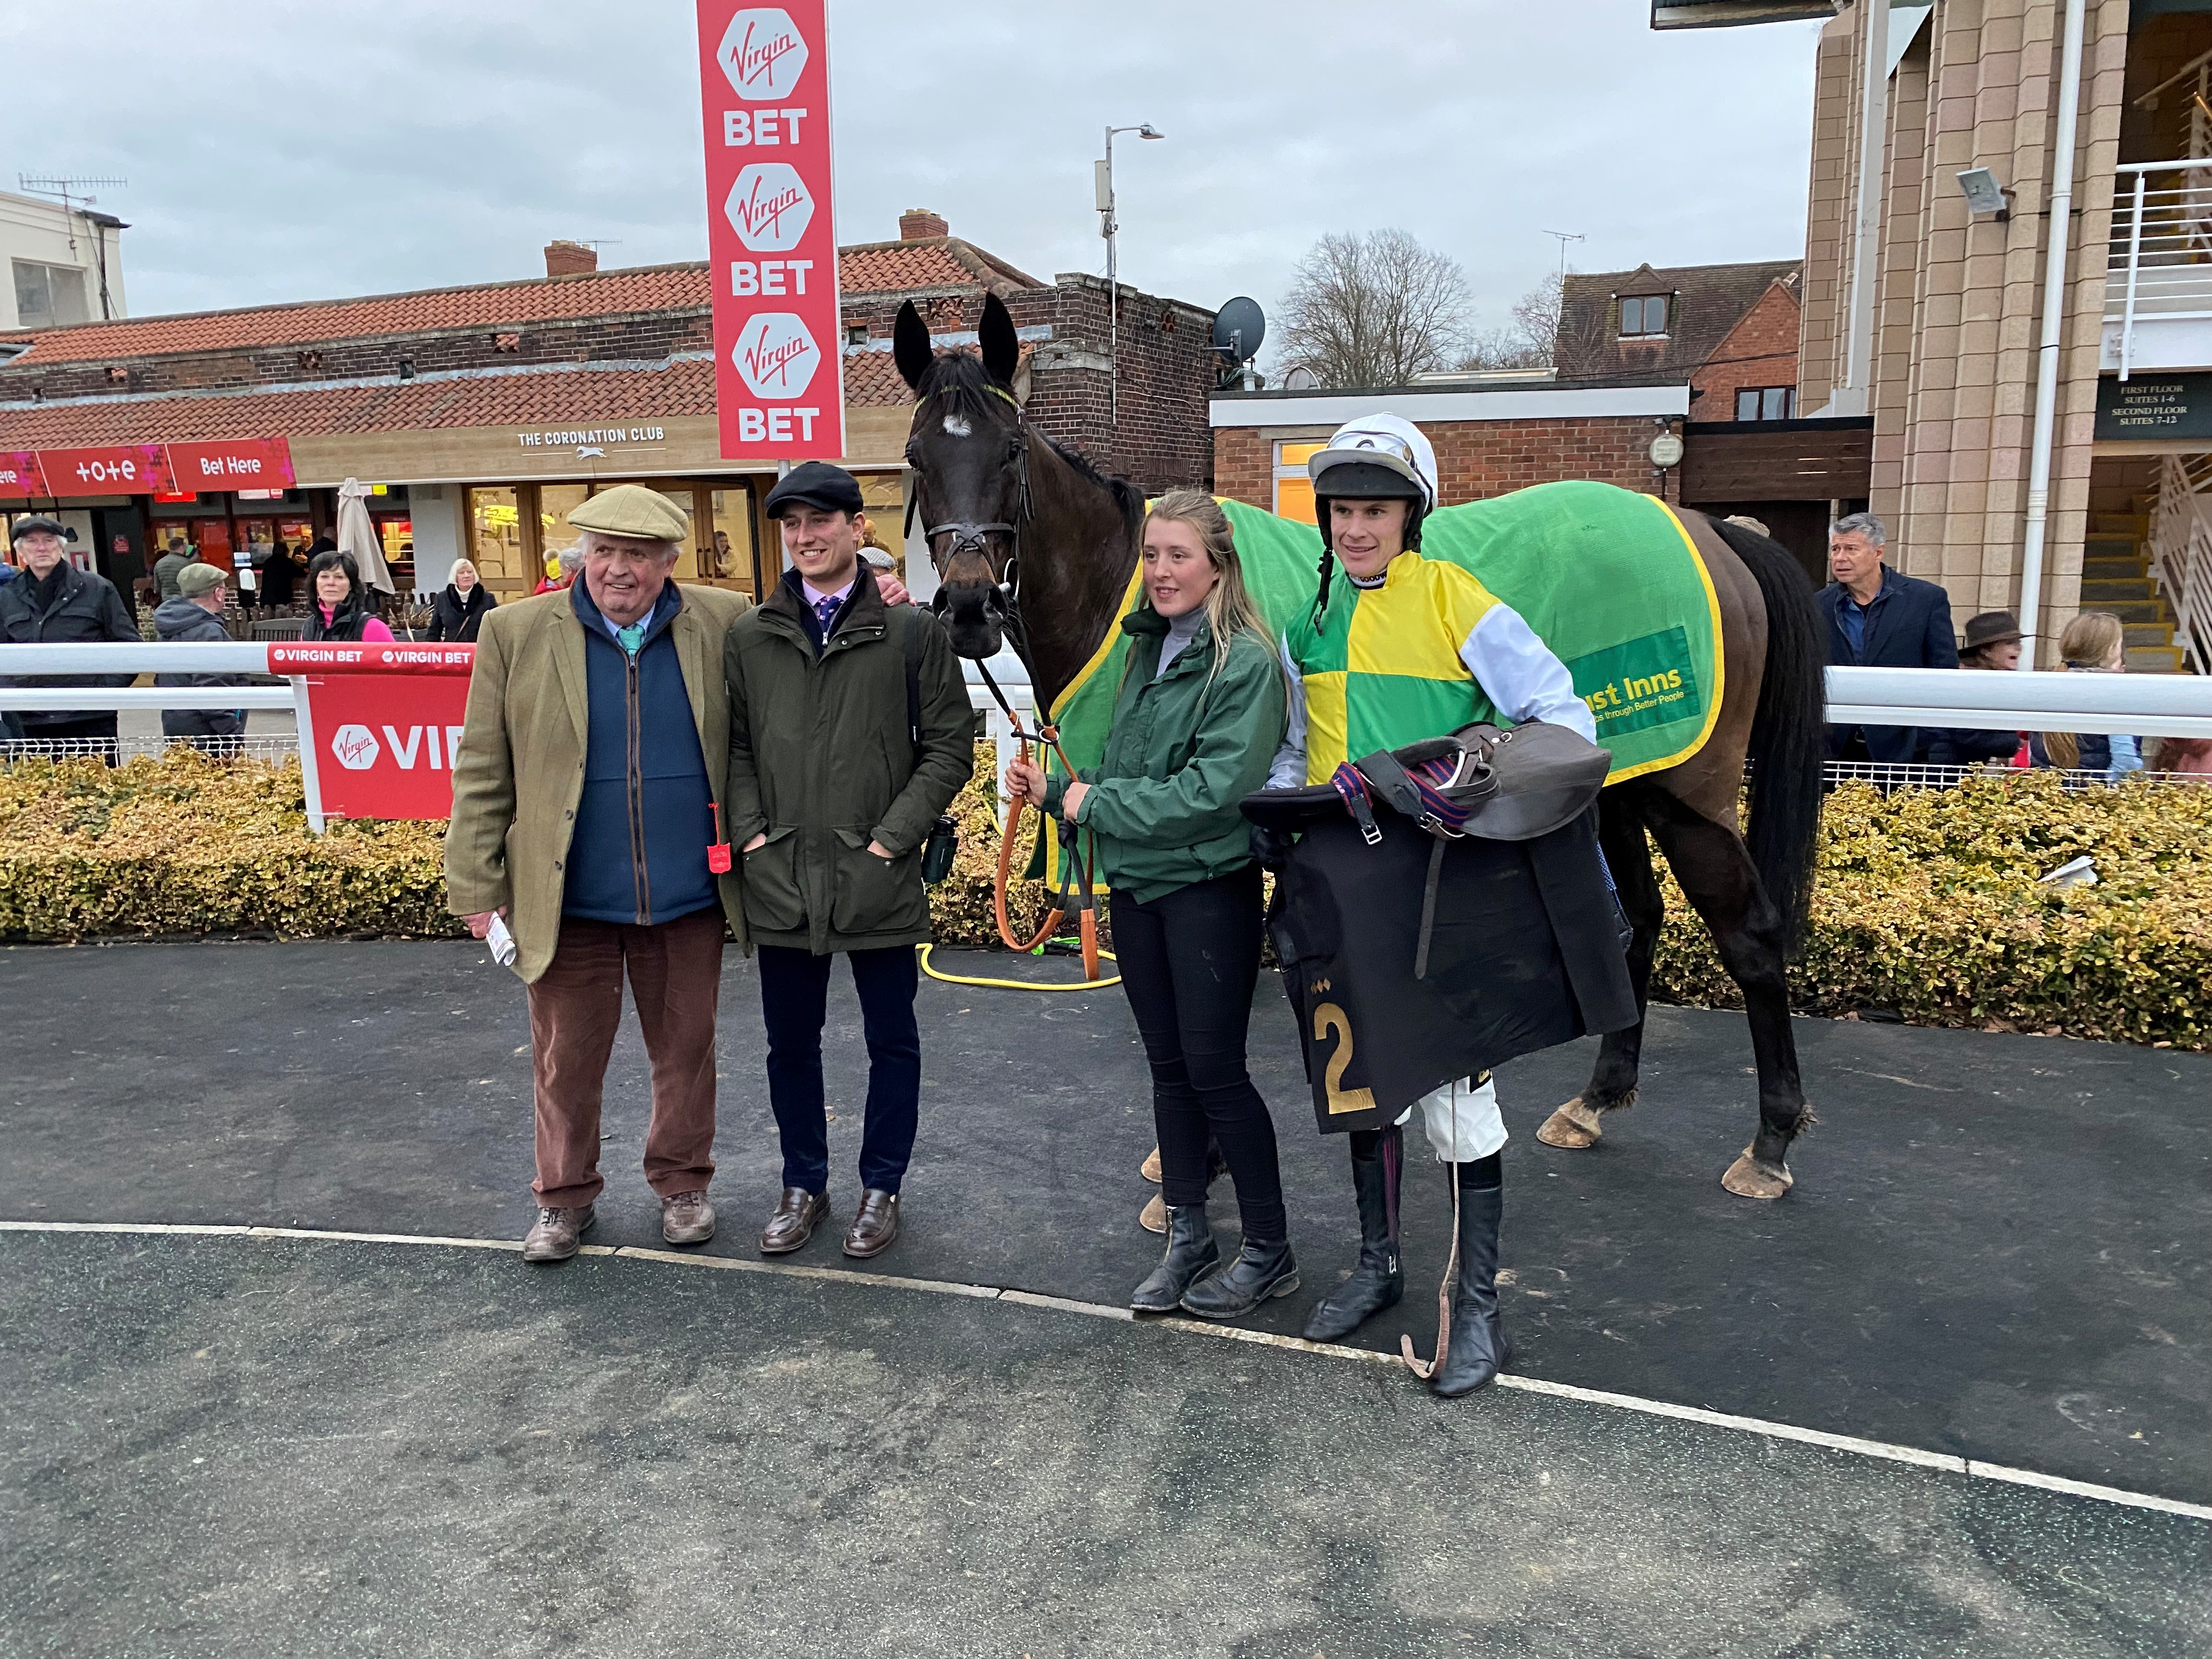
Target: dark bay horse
[1033, 546]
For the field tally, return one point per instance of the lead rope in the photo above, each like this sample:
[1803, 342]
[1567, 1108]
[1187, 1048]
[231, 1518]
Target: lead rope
[1449, 1283]
[1077, 868]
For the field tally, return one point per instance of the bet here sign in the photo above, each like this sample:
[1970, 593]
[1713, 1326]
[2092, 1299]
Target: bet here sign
[772, 248]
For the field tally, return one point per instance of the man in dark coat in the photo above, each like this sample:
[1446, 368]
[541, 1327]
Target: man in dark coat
[170, 566]
[196, 614]
[54, 603]
[1878, 618]
[850, 732]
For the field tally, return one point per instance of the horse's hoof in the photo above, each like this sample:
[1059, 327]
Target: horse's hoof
[1574, 1126]
[1153, 1217]
[1151, 1167]
[1747, 1177]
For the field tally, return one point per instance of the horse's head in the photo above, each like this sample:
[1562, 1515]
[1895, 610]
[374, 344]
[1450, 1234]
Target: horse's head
[970, 457]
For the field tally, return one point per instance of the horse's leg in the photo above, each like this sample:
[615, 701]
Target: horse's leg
[1611, 1087]
[1715, 869]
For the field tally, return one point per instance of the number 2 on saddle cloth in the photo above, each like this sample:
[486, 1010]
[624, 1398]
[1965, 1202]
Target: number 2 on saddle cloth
[1523, 952]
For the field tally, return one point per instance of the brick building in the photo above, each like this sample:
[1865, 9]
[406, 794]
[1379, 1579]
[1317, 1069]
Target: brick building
[485, 413]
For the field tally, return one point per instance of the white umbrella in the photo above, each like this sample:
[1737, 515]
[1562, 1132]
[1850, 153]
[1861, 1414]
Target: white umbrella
[357, 536]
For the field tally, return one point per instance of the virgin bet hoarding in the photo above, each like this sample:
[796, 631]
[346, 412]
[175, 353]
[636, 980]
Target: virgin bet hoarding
[779, 373]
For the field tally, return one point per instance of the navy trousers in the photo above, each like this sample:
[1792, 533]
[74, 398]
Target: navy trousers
[794, 998]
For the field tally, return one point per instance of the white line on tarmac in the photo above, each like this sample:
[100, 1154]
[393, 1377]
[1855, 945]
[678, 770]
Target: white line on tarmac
[1948, 1462]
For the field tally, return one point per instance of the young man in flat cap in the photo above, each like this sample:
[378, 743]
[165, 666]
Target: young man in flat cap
[595, 751]
[850, 733]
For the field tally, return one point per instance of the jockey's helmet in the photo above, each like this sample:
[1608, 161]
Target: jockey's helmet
[1377, 458]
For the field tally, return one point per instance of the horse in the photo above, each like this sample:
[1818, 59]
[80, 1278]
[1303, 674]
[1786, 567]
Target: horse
[1034, 546]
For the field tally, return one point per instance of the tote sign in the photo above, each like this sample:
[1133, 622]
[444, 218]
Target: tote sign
[779, 367]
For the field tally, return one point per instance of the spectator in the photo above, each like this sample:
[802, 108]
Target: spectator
[337, 607]
[197, 614]
[587, 829]
[2182, 757]
[278, 576]
[1993, 640]
[723, 556]
[840, 764]
[1878, 618]
[459, 609]
[168, 566]
[54, 603]
[2095, 642]
[561, 569]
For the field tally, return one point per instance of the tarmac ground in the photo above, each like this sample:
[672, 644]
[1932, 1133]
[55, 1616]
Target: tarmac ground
[1989, 1277]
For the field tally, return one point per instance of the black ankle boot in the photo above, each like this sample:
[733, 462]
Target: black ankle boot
[1258, 1272]
[1478, 1349]
[1191, 1254]
[1379, 1279]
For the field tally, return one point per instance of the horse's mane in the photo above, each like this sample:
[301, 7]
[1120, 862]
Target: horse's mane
[960, 379]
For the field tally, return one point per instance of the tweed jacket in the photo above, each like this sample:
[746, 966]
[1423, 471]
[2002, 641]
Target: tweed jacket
[520, 772]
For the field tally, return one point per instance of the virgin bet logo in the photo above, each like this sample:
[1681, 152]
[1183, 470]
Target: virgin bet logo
[776, 355]
[762, 54]
[769, 207]
[354, 748]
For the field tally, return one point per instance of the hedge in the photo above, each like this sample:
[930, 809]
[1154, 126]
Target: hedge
[1927, 904]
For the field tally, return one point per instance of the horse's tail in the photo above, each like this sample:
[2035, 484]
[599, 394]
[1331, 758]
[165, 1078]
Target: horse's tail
[1786, 731]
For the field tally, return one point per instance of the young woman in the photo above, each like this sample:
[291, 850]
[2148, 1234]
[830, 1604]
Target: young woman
[338, 606]
[459, 609]
[2095, 642]
[1200, 712]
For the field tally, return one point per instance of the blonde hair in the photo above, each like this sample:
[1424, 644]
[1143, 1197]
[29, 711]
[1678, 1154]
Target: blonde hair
[1231, 610]
[2092, 637]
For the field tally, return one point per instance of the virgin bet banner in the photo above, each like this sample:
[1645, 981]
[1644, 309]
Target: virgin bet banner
[384, 720]
[779, 373]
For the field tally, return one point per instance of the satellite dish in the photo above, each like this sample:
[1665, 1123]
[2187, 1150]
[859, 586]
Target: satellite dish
[1238, 328]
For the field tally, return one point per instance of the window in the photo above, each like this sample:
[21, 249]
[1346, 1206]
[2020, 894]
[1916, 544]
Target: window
[1644, 314]
[1769, 403]
[1294, 496]
[495, 541]
[48, 294]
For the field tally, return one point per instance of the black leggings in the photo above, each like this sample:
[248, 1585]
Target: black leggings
[1189, 960]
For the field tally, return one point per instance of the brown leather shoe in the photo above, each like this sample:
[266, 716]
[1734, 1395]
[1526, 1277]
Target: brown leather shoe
[798, 1212]
[875, 1224]
[687, 1218]
[558, 1234]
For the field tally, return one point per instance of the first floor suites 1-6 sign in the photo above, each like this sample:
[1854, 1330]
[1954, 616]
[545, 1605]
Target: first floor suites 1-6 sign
[772, 248]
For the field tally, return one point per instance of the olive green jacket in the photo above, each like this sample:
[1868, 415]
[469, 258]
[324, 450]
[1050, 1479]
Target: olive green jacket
[822, 761]
[519, 771]
[1184, 749]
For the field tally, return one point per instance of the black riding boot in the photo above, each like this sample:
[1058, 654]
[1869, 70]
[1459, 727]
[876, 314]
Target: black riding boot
[1379, 1279]
[1261, 1271]
[1191, 1254]
[1478, 1349]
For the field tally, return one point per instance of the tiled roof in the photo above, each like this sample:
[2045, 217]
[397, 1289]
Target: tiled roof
[868, 268]
[1709, 302]
[683, 387]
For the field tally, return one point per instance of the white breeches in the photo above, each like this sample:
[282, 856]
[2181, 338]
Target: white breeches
[1462, 1120]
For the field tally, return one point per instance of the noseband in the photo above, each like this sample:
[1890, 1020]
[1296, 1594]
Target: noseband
[968, 536]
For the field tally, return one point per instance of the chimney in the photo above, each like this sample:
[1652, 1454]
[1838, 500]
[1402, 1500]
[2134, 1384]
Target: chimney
[915, 223]
[564, 258]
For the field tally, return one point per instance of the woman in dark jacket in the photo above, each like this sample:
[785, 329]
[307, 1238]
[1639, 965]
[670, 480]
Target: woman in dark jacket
[459, 609]
[337, 604]
[1200, 712]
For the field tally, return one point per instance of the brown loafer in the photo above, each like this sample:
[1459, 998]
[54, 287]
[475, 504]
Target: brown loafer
[1153, 1217]
[875, 1224]
[558, 1234]
[798, 1212]
[687, 1218]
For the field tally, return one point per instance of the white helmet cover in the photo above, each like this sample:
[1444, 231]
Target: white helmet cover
[1390, 441]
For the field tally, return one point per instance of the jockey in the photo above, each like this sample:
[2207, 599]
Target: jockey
[1401, 649]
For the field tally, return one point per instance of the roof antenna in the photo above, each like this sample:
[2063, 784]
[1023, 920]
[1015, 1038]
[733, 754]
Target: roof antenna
[73, 202]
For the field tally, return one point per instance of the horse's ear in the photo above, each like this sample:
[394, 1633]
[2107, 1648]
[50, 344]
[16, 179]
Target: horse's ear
[1002, 349]
[910, 348]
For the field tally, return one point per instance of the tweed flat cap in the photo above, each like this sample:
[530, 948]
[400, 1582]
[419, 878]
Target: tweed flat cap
[633, 510]
[195, 580]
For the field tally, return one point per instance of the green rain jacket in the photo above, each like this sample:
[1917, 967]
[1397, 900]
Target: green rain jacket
[1183, 749]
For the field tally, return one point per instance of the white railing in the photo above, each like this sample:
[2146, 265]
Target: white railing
[2181, 551]
[2158, 266]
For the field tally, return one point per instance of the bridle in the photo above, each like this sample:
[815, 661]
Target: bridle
[971, 535]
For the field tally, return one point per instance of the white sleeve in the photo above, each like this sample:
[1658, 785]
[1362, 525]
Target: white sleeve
[1517, 673]
[1288, 769]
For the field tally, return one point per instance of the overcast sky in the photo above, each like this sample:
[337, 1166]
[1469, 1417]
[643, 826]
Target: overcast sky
[280, 151]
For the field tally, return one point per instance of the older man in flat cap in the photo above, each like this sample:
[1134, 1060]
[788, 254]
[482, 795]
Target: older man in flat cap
[584, 796]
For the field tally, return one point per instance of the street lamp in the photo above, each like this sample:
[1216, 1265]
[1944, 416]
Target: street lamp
[1102, 179]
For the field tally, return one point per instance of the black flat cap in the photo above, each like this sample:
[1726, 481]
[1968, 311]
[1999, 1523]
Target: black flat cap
[816, 484]
[23, 527]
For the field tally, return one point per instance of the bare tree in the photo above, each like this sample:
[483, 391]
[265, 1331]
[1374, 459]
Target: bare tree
[1374, 310]
[1528, 341]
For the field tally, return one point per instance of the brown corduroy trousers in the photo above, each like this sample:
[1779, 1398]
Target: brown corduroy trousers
[675, 971]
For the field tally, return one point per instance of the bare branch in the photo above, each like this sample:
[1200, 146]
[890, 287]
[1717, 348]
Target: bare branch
[1374, 310]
